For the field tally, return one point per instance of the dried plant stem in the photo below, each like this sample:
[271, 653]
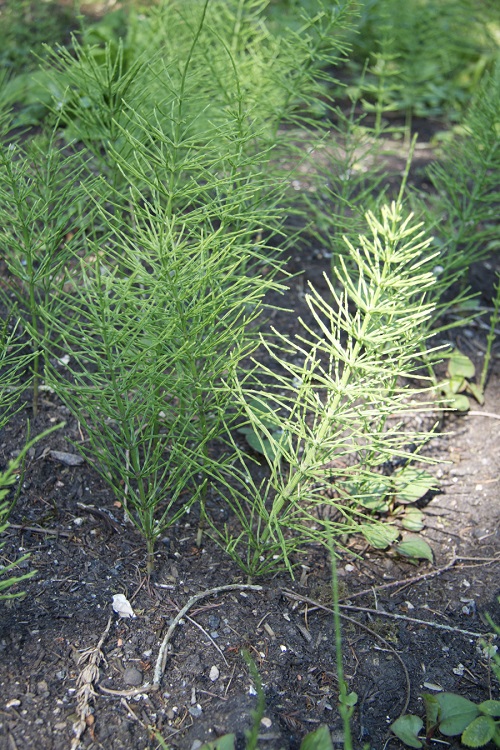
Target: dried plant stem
[89, 662]
[161, 661]
[381, 613]
[403, 583]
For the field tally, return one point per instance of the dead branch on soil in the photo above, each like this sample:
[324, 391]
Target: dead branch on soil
[489, 414]
[404, 582]
[161, 661]
[89, 661]
[382, 613]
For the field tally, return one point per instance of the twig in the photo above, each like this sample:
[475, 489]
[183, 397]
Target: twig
[415, 620]
[127, 693]
[207, 635]
[40, 530]
[161, 661]
[89, 661]
[408, 581]
[306, 600]
[381, 613]
[489, 414]
[132, 713]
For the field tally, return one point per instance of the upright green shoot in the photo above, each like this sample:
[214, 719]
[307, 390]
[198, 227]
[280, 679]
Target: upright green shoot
[42, 227]
[329, 423]
[347, 700]
[490, 339]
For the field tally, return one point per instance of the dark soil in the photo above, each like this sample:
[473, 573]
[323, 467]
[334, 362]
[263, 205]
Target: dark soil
[85, 553]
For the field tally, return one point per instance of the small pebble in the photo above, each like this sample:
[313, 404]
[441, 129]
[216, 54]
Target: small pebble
[132, 676]
[196, 711]
[42, 688]
[213, 622]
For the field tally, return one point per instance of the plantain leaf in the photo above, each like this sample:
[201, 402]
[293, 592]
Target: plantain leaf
[431, 711]
[226, 742]
[415, 547]
[406, 728]
[320, 739]
[491, 708]
[459, 403]
[413, 519]
[477, 392]
[379, 536]
[479, 732]
[460, 365]
[411, 484]
[455, 713]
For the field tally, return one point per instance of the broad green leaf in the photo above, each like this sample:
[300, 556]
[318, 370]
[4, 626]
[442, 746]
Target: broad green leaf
[455, 713]
[223, 743]
[379, 536]
[350, 699]
[457, 384]
[413, 546]
[491, 708]
[372, 493]
[479, 732]
[406, 728]
[374, 503]
[320, 739]
[413, 519]
[411, 484]
[431, 711]
[459, 403]
[460, 365]
[477, 392]
[259, 443]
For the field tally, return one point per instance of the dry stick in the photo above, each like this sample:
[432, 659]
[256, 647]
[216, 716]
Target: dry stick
[408, 581]
[162, 654]
[209, 637]
[381, 613]
[89, 661]
[161, 661]
[489, 414]
[415, 620]
[306, 600]
[40, 530]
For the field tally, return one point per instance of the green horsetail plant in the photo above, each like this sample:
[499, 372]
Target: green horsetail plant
[166, 312]
[207, 83]
[149, 351]
[41, 231]
[345, 182]
[433, 54]
[330, 417]
[13, 365]
[467, 180]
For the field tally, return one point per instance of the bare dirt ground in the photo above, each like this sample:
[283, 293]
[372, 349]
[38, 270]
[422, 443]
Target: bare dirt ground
[407, 629]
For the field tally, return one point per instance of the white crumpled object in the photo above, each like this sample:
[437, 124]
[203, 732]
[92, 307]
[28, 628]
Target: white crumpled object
[122, 607]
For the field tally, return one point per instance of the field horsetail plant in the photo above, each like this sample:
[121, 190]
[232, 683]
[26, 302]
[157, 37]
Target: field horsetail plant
[144, 234]
[164, 315]
[329, 424]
